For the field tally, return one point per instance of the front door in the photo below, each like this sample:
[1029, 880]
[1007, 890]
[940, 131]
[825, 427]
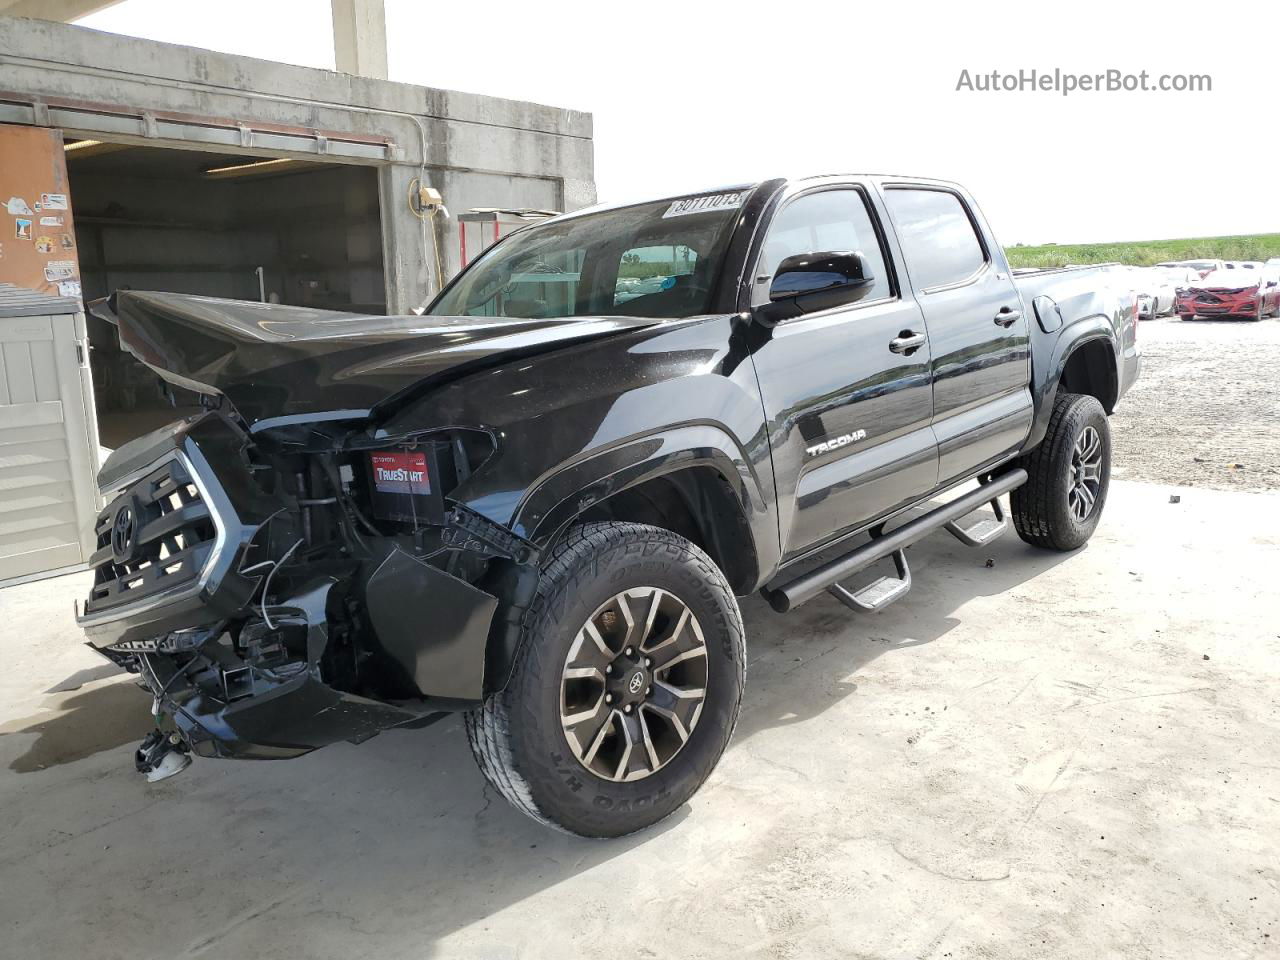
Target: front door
[850, 401]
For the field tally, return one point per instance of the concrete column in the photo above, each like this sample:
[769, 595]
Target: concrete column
[360, 37]
[407, 253]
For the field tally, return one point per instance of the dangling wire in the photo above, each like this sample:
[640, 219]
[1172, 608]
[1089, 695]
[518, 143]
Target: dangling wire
[266, 587]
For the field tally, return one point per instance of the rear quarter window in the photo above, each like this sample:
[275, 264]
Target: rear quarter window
[938, 238]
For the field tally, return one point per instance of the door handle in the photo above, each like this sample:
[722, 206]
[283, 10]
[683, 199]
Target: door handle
[907, 342]
[1007, 317]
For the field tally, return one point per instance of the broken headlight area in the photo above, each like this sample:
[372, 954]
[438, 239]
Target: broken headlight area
[371, 597]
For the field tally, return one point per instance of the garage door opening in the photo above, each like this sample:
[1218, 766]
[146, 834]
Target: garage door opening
[183, 221]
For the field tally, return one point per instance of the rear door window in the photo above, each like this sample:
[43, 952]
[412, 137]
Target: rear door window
[939, 240]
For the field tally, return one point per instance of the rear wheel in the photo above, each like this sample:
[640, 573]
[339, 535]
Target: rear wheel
[1068, 476]
[626, 688]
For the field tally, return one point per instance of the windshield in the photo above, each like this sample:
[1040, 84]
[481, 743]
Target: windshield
[652, 260]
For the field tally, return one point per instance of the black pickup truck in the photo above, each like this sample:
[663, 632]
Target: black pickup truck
[537, 502]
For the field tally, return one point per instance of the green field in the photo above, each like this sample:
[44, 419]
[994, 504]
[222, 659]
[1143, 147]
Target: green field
[1259, 246]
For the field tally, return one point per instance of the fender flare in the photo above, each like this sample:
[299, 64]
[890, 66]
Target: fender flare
[1089, 329]
[553, 501]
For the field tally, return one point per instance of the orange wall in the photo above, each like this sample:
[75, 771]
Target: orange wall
[33, 188]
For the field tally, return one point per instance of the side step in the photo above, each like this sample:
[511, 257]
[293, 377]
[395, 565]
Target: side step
[887, 589]
[879, 593]
[984, 531]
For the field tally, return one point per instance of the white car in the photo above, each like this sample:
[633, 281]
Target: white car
[1158, 287]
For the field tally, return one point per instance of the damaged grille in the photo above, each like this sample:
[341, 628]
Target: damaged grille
[153, 538]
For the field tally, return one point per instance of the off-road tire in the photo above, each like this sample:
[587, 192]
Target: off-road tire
[1040, 507]
[516, 735]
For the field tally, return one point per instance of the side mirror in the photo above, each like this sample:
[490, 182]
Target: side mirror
[809, 282]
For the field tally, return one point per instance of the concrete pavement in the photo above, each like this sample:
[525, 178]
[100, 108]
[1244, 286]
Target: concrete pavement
[1057, 755]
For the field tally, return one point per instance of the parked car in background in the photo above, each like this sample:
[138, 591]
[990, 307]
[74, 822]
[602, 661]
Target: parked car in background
[1202, 267]
[1157, 289]
[1181, 278]
[1247, 293]
[1271, 286]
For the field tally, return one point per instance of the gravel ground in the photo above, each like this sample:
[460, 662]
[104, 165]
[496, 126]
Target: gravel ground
[1206, 410]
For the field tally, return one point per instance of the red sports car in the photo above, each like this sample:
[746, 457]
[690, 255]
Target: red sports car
[1251, 294]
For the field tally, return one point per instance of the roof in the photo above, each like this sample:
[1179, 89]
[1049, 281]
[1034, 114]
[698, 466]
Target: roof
[21, 302]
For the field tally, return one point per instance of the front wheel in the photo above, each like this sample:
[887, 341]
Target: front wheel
[626, 687]
[1068, 475]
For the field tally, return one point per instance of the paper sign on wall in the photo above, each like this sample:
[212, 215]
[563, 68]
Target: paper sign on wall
[16, 205]
[22, 229]
[44, 244]
[50, 221]
[56, 270]
[69, 288]
[53, 201]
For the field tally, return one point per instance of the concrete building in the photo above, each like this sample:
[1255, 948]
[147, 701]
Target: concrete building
[350, 148]
[163, 167]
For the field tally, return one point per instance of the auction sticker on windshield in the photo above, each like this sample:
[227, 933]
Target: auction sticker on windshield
[402, 471]
[704, 204]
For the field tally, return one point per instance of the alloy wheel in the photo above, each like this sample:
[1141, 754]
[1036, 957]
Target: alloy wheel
[633, 684]
[1086, 474]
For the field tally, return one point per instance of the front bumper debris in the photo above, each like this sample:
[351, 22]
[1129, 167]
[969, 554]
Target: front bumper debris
[225, 706]
[252, 656]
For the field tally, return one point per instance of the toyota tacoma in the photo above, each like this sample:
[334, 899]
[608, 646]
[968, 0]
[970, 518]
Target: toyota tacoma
[537, 502]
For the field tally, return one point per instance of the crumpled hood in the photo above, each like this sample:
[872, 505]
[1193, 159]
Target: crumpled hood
[1221, 280]
[275, 361]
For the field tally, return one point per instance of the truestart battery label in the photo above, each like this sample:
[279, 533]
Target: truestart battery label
[400, 472]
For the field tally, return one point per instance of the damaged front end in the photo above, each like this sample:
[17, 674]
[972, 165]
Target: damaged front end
[280, 589]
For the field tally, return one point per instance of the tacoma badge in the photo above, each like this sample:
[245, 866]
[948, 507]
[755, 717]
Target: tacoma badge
[826, 446]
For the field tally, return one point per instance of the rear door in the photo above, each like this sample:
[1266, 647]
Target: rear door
[849, 413]
[981, 361]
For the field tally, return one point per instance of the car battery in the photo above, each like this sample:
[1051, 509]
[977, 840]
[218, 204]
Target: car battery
[405, 483]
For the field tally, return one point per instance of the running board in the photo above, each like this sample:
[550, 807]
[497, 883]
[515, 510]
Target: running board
[809, 585]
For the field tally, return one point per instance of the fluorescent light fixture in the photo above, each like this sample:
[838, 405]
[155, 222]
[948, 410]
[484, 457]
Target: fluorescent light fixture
[81, 149]
[242, 169]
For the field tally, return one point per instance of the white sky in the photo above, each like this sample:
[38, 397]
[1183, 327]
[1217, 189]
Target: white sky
[696, 94]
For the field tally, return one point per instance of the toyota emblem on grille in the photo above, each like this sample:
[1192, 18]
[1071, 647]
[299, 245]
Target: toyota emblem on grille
[122, 534]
